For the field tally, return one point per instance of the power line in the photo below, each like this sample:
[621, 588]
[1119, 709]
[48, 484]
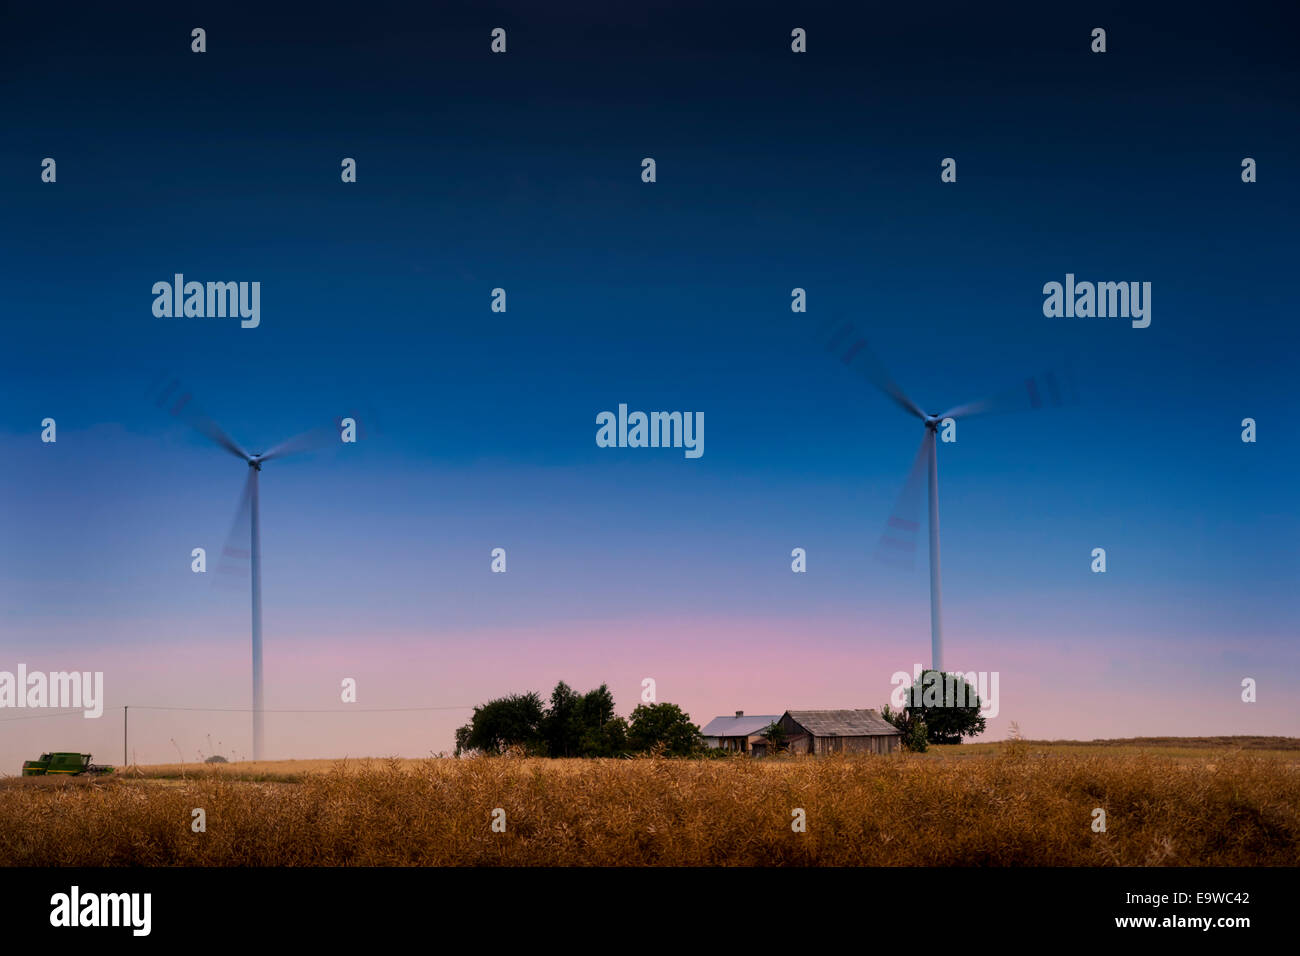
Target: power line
[249, 710]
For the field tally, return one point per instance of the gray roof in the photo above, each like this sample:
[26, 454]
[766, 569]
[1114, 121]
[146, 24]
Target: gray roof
[738, 726]
[842, 723]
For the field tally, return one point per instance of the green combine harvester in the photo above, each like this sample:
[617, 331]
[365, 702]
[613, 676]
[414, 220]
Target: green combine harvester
[72, 765]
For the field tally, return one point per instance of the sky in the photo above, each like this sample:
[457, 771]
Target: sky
[522, 171]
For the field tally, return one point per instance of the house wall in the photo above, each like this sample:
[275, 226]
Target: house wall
[800, 742]
[875, 744]
[793, 731]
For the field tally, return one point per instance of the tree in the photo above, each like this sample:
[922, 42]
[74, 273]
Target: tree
[597, 707]
[607, 740]
[505, 722]
[562, 726]
[583, 725]
[939, 708]
[909, 724]
[775, 737]
[573, 725]
[604, 733]
[663, 725]
[462, 739]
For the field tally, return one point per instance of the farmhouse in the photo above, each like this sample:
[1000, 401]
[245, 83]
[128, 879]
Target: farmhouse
[737, 733]
[836, 731]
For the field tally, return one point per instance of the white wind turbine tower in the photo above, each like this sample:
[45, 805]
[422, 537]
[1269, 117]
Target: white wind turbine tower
[180, 404]
[1048, 389]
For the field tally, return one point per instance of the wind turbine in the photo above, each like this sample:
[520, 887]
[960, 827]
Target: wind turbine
[183, 407]
[1048, 389]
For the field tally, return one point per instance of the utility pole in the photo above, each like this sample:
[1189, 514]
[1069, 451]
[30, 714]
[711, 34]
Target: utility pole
[124, 760]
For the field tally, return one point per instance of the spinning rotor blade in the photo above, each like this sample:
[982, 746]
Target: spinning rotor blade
[317, 438]
[179, 403]
[1052, 389]
[843, 339]
[232, 570]
[312, 440]
[898, 542]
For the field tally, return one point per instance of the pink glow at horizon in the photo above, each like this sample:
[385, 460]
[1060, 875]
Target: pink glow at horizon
[710, 667]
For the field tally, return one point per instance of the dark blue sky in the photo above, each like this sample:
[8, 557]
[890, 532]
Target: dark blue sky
[775, 170]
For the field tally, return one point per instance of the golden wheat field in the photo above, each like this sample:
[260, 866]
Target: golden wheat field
[1013, 804]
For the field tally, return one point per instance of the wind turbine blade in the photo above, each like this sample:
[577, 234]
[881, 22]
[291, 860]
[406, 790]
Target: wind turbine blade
[232, 569]
[1052, 389]
[179, 403]
[317, 438]
[843, 339]
[312, 440]
[897, 544]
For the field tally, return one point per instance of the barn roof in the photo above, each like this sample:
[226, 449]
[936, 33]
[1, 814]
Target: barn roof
[842, 723]
[738, 726]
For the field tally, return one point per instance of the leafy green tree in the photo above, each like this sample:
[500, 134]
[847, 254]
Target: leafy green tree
[583, 725]
[514, 721]
[607, 740]
[577, 725]
[562, 725]
[597, 707]
[911, 726]
[775, 737]
[604, 733]
[663, 725]
[917, 737]
[940, 709]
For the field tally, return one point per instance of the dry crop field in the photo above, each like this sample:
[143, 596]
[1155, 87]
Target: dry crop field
[1024, 803]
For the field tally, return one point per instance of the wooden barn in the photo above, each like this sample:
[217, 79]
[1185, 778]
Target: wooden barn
[838, 731]
[738, 733]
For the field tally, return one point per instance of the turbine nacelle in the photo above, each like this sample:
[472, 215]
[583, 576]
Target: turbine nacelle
[181, 405]
[843, 340]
